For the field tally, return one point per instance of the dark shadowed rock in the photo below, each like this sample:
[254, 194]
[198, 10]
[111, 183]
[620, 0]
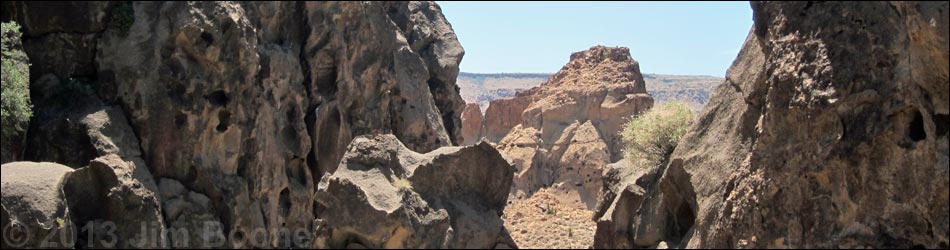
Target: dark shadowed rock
[61, 35]
[40, 18]
[386, 196]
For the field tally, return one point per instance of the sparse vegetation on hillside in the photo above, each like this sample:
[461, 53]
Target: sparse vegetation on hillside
[402, 184]
[16, 108]
[652, 137]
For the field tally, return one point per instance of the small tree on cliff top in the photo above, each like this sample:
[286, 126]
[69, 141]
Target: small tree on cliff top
[653, 136]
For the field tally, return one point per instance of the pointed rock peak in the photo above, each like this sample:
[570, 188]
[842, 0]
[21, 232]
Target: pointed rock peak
[599, 65]
[600, 53]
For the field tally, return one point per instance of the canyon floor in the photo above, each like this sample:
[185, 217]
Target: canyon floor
[550, 219]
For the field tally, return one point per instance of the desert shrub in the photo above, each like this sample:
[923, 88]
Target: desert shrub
[402, 184]
[15, 110]
[652, 137]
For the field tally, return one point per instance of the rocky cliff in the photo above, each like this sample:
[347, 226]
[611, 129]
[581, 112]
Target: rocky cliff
[471, 124]
[830, 131]
[566, 129]
[229, 112]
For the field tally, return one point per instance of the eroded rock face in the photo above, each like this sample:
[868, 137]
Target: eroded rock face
[35, 213]
[471, 124]
[246, 104]
[250, 103]
[502, 115]
[191, 219]
[384, 195]
[568, 128]
[112, 192]
[112, 188]
[829, 132]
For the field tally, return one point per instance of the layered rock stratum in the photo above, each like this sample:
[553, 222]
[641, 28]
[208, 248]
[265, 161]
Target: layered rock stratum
[830, 131]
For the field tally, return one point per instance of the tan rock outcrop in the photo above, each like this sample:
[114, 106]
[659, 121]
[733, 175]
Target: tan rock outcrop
[384, 195]
[502, 115]
[471, 124]
[830, 131]
[567, 129]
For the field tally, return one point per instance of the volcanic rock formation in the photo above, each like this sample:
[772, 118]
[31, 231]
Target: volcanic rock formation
[830, 131]
[229, 112]
[565, 130]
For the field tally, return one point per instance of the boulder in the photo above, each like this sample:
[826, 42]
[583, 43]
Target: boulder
[383, 195]
[828, 132]
[35, 212]
[625, 186]
[119, 197]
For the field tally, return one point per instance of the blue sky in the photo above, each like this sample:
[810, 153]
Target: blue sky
[685, 38]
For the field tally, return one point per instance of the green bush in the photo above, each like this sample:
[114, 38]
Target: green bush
[15, 110]
[652, 137]
[123, 16]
